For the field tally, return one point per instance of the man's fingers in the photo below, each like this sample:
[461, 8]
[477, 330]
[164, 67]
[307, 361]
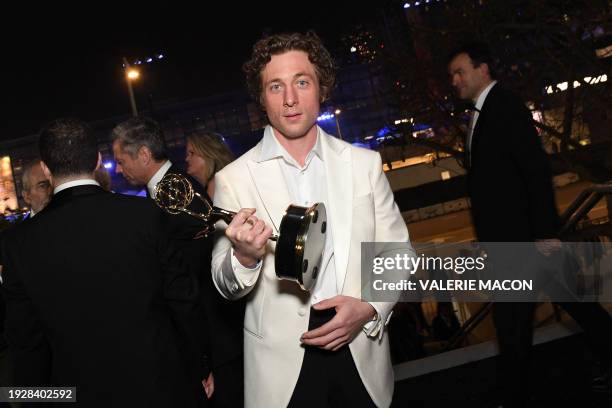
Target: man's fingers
[258, 227]
[262, 238]
[327, 328]
[241, 224]
[328, 303]
[241, 216]
[325, 340]
[337, 344]
[248, 234]
[238, 221]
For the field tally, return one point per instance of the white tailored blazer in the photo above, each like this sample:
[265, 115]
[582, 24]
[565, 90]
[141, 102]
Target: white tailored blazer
[360, 208]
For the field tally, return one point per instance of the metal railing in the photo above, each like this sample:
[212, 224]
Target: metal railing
[569, 231]
[579, 209]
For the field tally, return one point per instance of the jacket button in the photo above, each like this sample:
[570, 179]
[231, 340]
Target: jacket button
[301, 311]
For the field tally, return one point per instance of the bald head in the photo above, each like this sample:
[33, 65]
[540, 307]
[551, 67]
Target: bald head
[36, 190]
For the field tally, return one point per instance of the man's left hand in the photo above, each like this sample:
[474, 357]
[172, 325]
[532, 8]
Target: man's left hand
[351, 315]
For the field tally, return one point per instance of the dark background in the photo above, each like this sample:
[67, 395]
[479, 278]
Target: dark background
[66, 60]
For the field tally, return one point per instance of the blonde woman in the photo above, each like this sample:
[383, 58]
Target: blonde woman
[206, 154]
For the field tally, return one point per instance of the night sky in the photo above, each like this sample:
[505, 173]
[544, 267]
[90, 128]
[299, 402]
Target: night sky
[66, 64]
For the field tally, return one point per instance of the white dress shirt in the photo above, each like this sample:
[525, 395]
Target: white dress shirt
[307, 186]
[74, 183]
[161, 172]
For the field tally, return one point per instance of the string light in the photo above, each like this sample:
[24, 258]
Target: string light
[147, 60]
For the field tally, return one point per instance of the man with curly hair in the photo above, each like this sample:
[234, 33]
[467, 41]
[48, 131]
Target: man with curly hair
[324, 347]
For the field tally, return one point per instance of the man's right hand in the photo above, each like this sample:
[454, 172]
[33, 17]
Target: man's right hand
[249, 236]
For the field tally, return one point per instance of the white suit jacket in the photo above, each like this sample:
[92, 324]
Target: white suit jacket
[360, 208]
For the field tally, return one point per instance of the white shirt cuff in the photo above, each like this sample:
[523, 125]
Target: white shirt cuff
[247, 276]
[374, 328]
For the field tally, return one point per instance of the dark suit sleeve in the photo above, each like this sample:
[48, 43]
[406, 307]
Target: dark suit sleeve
[28, 347]
[532, 164]
[181, 292]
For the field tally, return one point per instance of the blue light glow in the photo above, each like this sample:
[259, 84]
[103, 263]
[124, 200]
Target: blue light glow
[108, 165]
[382, 132]
[325, 116]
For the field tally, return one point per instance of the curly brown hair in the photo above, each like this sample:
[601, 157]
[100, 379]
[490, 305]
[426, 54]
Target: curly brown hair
[310, 43]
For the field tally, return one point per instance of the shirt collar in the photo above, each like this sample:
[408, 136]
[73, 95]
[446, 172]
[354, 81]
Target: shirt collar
[157, 177]
[483, 95]
[74, 183]
[272, 149]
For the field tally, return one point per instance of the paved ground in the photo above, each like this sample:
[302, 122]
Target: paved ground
[560, 375]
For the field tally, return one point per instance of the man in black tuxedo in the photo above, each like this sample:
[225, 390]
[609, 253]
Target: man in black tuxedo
[512, 200]
[103, 304]
[142, 158]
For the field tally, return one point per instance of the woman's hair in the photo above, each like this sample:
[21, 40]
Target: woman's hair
[213, 149]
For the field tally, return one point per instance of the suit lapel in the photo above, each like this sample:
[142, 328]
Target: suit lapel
[271, 188]
[482, 117]
[339, 174]
[475, 137]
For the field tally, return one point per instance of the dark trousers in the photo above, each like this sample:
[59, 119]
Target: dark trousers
[514, 327]
[596, 323]
[328, 378]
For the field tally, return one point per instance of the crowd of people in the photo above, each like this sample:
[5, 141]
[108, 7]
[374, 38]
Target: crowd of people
[135, 307]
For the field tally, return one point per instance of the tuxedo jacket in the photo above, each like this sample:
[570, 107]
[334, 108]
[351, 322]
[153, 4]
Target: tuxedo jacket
[223, 319]
[360, 208]
[97, 299]
[509, 180]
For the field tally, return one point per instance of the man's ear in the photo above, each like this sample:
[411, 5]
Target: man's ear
[46, 170]
[485, 69]
[99, 163]
[144, 155]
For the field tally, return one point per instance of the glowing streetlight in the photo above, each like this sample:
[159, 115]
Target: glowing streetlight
[131, 74]
[337, 113]
[329, 116]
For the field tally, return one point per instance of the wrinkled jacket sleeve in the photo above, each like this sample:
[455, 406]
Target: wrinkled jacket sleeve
[230, 281]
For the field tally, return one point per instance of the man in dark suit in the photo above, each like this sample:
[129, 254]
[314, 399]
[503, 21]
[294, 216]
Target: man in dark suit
[104, 305]
[512, 200]
[142, 158]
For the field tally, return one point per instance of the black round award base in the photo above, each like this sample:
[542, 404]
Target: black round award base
[300, 244]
